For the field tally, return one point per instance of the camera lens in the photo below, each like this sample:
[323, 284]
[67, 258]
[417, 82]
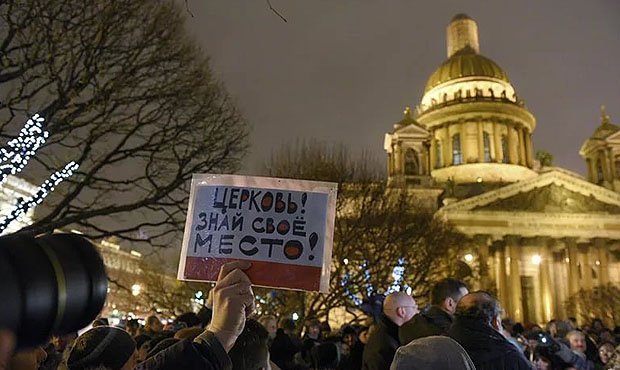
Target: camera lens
[53, 284]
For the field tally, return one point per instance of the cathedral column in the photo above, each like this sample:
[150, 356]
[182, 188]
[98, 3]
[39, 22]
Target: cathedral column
[573, 269]
[528, 149]
[422, 160]
[497, 139]
[521, 135]
[513, 145]
[573, 272]
[432, 153]
[589, 167]
[548, 304]
[516, 299]
[447, 147]
[482, 242]
[602, 157]
[480, 142]
[586, 269]
[612, 168]
[465, 149]
[603, 261]
[501, 274]
[398, 155]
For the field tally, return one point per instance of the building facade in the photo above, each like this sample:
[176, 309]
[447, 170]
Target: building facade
[11, 191]
[538, 234]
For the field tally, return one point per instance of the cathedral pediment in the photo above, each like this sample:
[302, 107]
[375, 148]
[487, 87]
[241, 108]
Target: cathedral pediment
[551, 198]
[556, 191]
[411, 130]
[614, 138]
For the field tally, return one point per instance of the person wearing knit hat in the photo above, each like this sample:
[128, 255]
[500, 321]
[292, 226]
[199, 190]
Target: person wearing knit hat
[103, 346]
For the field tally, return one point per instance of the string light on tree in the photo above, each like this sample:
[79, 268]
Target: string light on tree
[398, 274]
[345, 284]
[15, 156]
[48, 186]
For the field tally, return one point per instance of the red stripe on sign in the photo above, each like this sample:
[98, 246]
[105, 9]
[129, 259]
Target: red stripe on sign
[271, 274]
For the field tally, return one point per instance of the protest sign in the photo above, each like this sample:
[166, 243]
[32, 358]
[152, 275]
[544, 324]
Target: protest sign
[284, 227]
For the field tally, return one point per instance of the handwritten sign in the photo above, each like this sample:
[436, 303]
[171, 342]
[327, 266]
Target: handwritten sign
[283, 226]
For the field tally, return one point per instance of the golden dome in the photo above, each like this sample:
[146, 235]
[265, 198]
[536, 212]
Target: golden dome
[465, 63]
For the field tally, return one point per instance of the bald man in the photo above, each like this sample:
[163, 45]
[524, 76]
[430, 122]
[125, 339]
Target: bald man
[398, 308]
[478, 328]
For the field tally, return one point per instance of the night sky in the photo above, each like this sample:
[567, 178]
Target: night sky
[343, 70]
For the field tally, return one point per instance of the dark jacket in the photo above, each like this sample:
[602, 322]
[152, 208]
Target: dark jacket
[207, 354]
[434, 321]
[488, 349]
[354, 362]
[53, 359]
[283, 350]
[307, 344]
[382, 345]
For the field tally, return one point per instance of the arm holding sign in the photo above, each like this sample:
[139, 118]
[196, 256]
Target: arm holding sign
[233, 300]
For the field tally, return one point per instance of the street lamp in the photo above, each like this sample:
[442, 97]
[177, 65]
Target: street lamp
[135, 289]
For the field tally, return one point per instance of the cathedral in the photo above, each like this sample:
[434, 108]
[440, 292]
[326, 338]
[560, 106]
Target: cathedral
[538, 234]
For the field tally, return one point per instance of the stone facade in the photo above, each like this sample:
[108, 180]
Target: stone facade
[11, 191]
[538, 235]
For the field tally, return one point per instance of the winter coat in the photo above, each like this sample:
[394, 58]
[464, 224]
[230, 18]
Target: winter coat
[205, 353]
[488, 349]
[283, 350]
[434, 321]
[429, 353]
[382, 345]
[354, 362]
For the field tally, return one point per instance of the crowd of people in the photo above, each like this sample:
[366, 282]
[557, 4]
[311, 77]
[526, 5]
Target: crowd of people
[458, 330]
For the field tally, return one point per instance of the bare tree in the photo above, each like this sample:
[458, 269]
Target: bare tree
[377, 228]
[168, 295]
[602, 302]
[128, 95]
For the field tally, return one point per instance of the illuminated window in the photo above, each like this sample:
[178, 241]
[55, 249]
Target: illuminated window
[438, 156]
[486, 140]
[457, 156]
[505, 153]
[411, 162]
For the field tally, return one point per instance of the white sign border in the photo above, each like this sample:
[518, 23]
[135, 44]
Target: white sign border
[329, 188]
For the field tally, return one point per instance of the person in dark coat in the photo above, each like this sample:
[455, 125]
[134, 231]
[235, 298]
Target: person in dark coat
[379, 352]
[434, 352]
[312, 337]
[357, 350]
[285, 345]
[114, 348]
[55, 350]
[251, 349]
[437, 320]
[477, 327]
